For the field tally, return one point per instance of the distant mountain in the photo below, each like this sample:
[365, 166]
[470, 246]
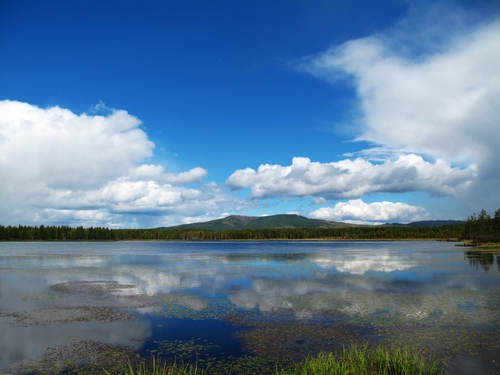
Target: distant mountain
[428, 223]
[236, 222]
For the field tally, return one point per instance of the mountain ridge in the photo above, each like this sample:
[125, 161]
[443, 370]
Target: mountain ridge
[238, 222]
[241, 222]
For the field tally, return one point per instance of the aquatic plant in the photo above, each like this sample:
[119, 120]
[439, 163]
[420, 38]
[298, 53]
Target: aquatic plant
[77, 358]
[361, 360]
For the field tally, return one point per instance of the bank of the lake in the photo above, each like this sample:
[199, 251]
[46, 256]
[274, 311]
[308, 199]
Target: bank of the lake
[480, 245]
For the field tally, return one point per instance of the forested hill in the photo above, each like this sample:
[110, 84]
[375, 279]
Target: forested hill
[289, 221]
[236, 222]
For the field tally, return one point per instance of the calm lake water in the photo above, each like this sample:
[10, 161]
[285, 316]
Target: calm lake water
[244, 304]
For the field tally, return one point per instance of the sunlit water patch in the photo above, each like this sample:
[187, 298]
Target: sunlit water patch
[235, 306]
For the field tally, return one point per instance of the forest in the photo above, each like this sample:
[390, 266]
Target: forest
[479, 229]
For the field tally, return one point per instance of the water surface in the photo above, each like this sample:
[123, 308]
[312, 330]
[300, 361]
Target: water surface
[61, 304]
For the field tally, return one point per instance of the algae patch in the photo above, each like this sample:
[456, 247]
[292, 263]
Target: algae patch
[68, 314]
[91, 288]
[80, 357]
[55, 307]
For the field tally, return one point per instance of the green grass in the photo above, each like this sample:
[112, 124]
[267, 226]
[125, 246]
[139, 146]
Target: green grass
[360, 360]
[489, 245]
[480, 245]
[355, 360]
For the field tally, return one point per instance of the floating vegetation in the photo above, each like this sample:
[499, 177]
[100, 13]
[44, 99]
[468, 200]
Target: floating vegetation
[68, 314]
[187, 350]
[40, 296]
[291, 341]
[445, 341]
[91, 288]
[194, 351]
[189, 306]
[94, 301]
[207, 357]
[79, 357]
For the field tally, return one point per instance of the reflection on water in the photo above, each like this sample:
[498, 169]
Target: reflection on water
[483, 258]
[144, 295]
[359, 263]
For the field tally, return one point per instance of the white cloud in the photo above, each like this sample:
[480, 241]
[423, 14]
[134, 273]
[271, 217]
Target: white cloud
[377, 211]
[193, 175]
[318, 200]
[352, 178]
[445, 104]
[57, 166]
[157, 172]
[146, 171]
[67, 150]
[451, 96]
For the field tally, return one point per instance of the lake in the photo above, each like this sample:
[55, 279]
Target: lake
[236, 306]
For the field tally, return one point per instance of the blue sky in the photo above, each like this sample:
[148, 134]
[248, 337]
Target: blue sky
[157, 113]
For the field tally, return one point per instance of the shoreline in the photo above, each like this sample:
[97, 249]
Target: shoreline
[263, 240]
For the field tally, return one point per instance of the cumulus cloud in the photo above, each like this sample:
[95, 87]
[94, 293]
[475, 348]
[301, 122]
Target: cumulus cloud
[193, 175]
[54, 147]
[157, 172]
[378, 211]
[445, 104]
[57, 166]
[352, 178]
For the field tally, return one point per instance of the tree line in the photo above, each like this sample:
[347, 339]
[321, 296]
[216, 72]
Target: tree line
[476, 228]
[483, 228]
[66, 233]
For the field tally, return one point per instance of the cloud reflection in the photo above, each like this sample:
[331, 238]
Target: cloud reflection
[359, 264]
[30, 343]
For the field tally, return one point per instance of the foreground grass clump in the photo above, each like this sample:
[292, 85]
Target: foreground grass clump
[157, 367]
[361, 360]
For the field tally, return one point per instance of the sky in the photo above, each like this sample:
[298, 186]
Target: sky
[142, 114]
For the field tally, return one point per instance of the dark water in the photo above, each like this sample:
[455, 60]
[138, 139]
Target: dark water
[231, 300]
